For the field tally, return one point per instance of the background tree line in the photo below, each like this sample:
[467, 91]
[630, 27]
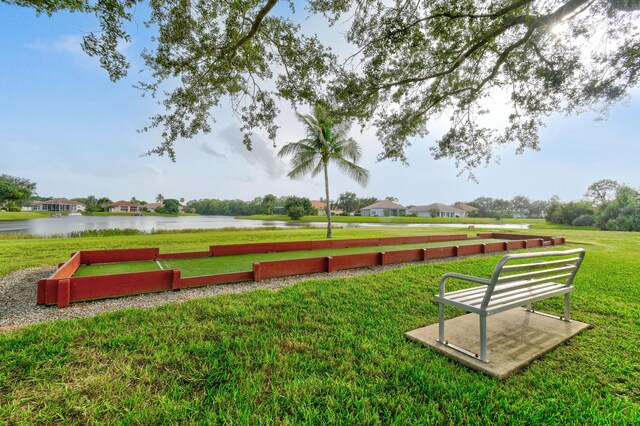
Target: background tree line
[498, 208]
[268, 204]
[607, 204]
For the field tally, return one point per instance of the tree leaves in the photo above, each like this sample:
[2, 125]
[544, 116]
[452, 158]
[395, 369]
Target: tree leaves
[415, 62]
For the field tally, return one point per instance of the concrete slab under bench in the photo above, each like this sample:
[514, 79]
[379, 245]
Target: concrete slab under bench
[514, 339]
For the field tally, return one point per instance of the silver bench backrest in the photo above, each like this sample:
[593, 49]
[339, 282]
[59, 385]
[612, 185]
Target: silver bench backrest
[528, 269]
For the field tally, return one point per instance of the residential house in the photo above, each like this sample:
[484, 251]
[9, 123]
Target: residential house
[437, 210]
[319, 207]
[384, 208]
[152, 206]
[469, 210]
[125, 207]
[58, 205]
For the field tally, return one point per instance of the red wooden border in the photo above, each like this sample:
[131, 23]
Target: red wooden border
[121, 255]
[98, 287]
[183, 255]
[62, 288]
[350, 261]
[282, 268]
[69, 267]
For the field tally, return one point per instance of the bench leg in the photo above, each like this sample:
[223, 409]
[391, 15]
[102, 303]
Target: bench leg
[483, 339]
[441, 325]
[567, 307]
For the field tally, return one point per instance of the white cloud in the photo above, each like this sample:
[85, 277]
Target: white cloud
[261, 154]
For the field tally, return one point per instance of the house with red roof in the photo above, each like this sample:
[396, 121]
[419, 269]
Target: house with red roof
[319, 206]
[125, 207]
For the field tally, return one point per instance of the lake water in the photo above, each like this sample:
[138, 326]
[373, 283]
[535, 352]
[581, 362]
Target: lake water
[67, 224]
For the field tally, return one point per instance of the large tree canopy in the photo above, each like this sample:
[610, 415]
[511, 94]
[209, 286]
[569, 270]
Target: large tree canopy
[413, 62]
[15, 189]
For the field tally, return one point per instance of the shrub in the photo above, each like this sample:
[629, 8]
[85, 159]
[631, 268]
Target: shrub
[583, 220]
[303, 202]
[12, 206]
[628, 219]
[566, 213]
[171, 206]
[296, 212]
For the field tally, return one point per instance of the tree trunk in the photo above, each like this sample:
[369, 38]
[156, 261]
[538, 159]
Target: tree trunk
[327, 201]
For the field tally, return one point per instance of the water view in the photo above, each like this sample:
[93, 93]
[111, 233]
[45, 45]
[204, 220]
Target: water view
[68, 224]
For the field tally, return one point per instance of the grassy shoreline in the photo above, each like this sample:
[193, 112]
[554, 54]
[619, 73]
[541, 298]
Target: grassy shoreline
[393, 219]
[21, 215]
[136, 214]
[323, 351]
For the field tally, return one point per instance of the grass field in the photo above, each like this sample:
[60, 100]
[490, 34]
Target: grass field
[321, 351]
[221, 264]
[21, 215]
[22, 251]
[392, 219]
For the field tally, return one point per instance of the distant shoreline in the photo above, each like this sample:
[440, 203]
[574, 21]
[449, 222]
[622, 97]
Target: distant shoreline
[396, 219]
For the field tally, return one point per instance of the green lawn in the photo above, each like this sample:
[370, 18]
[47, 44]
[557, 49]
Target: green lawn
[323, 351]
[392, 219]
[221, 264]
[22, 251]
[21, 215]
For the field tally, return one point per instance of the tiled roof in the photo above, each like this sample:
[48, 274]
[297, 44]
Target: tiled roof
[123, 203]
[384, 204]
[465, 207]
[319, 204]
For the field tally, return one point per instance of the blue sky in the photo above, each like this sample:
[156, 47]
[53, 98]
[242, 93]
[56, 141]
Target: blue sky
[64, 125]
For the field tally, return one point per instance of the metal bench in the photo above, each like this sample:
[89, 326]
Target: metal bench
[517, 280]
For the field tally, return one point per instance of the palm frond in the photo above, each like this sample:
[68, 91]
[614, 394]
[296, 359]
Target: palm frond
[324, 141]
[351, 169]
[318, 169]
[295, 147]
[301, 169]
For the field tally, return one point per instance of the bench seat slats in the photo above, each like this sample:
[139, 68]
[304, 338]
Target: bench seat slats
[522, 292]
[472, 295]
[534, 298]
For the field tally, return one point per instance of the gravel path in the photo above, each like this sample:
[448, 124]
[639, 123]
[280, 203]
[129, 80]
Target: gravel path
[18, 295]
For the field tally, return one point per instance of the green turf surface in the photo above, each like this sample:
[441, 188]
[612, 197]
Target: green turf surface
[116, 268]
[220, 264]
[329, 351]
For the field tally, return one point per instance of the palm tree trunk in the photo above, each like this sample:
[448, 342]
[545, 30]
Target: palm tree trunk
[326, 190]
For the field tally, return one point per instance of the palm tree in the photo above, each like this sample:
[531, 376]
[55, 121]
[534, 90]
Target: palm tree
[326, 142]
[159, 198]
[104, 203]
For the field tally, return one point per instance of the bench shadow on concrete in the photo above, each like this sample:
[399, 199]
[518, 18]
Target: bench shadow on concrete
[514, 339]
